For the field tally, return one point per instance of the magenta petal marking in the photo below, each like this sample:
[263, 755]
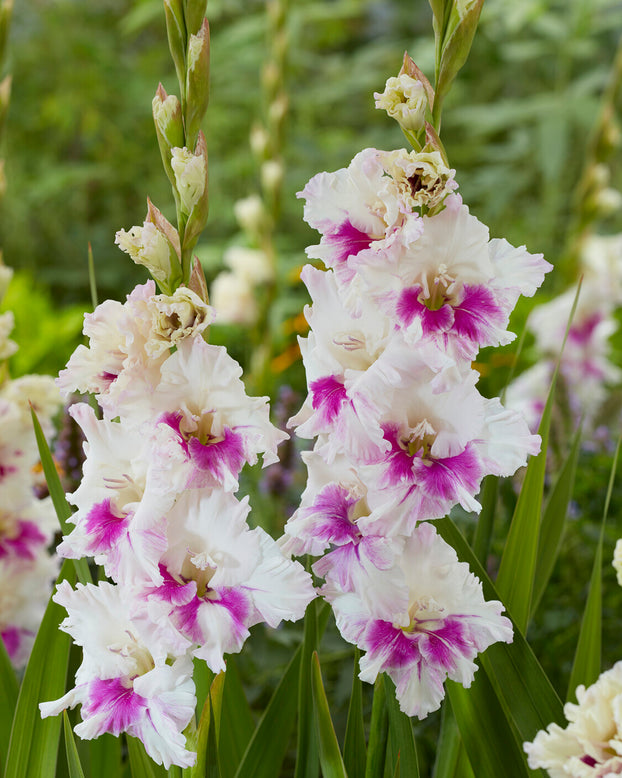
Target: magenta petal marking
[446, 478]
[441, 645]
[400, 649]
[12, 638]
[173, 591]
[330, 511]
[186, 619]
[6, 470]
[347, 241]
[582, 332]
[227, 455]
[328, 395]
[409, 307]
[398, 461]
[104, 527]
[477, 315]
[25, 543]
[118, 705]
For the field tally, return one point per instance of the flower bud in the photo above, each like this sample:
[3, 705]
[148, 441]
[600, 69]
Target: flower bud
[6, 274]
[5, 96]
[405, 100]
[250, 214]
[271, 175]
[147, 246]
[259, 140]
[167, 117]
[7, 346]
[197, 82]
[232, 298]
[169, 127]
[190, 174]
[250, 264]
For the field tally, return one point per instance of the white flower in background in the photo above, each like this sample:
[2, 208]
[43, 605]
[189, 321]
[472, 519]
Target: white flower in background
[436, 626]
[38, 392]
[190, 176]
[405, 100]
[601, 262]
[25, 586]
[617, 560]
[252, 265]
[233, 299]
[591, 745]
[250, 213]
[18, 455]
[7, 346]
[6, 274]
[128, 681]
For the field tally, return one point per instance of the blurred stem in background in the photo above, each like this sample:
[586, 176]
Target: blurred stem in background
[245, 293]
[594, 199]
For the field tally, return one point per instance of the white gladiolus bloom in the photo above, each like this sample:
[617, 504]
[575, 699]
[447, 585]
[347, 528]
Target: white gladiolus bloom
[591, 745]
[252, 265]
[128, 680]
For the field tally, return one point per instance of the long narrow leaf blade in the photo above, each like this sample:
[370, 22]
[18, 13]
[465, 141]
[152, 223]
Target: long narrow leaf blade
[587, 660]
[268, 745]
[34, 741]
[354, 747]
[73, 760]
[237, 723]
[451, 759]
[479, 711]
[330, 757]
[517, 570]
[553, 521]
[8, 700]
[512, 667]
[378, 732]
[61, 506]
[307, 748]
[401, 735]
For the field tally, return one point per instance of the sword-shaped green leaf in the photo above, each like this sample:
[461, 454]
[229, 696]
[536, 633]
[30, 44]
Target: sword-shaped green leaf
[330, 757]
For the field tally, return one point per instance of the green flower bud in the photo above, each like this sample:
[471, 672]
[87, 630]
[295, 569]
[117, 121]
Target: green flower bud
[197, 82]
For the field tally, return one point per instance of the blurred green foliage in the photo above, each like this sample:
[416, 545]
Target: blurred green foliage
[82, 158]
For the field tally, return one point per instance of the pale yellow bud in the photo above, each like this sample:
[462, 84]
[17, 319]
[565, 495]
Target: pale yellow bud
[232, 298]
[250, 214]
[7, 346]
[405, 100]
[189, 171]
[147, 246]
[271, 175]
[617, 560]
[6, 274]
[259, 140]
[251, 264]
